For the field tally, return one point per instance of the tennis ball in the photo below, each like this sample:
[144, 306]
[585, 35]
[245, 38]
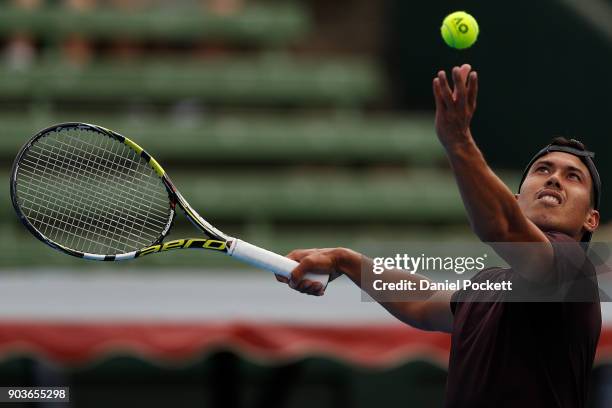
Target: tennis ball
[459, 30]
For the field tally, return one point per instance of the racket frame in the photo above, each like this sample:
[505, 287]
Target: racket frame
[215, 239]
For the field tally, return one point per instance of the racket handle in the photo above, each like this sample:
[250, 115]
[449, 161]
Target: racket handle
[268, 260]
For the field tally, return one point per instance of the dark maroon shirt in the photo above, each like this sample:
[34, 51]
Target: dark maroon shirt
[510, 354]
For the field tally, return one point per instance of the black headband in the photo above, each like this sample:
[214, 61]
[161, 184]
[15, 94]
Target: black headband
[587, 158]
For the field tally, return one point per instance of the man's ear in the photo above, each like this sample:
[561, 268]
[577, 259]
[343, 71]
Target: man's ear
[592, 221]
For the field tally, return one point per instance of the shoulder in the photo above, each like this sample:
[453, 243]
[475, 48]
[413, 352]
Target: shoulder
[567, 249]
[573, 276]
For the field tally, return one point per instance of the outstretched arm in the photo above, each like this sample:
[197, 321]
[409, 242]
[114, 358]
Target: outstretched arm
[425, 310]
[494, 213]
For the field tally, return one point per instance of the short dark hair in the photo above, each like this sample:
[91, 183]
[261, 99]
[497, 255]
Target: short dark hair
[563, 141]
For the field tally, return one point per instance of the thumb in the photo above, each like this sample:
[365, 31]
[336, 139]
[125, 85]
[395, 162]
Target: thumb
[315, 263]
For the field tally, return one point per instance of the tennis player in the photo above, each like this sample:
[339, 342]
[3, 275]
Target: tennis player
[503, 354]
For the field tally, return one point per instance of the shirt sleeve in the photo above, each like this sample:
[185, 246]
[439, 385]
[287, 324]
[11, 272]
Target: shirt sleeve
[574, 276]
[569, 257]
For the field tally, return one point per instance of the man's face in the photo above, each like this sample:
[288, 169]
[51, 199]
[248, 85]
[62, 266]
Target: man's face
[556, 195]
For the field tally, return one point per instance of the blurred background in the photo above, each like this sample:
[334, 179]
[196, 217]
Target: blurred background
[291, 124]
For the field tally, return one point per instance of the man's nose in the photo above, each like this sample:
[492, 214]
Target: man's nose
[553, 181]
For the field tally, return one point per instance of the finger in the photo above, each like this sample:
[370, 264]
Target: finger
[460, 90]
[304, 286]
[464, 72]
[315, 263]
[438, 94]
[298, 254]
[305, 265]
[309, 287]
[445, 91]
[473, 90]
[281, 278]
[315, 289]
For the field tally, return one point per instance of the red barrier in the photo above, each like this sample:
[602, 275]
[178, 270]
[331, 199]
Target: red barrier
[370, 346]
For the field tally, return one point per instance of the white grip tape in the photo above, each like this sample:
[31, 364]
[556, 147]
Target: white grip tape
[264, 259]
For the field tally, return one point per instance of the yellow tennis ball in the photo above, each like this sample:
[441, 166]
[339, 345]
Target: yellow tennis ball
[459, 30]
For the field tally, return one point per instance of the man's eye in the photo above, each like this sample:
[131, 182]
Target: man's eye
[542, 169]
[574, 176]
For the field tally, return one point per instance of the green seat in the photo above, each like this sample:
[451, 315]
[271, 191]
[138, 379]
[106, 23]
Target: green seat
[229, 139]
[318, 196]
[261, 24]
[269, 79]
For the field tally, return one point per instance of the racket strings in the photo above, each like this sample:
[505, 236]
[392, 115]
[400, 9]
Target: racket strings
[91, 193]
[114, 165]
[53, 198]
[93, 179]
[98, 161]
[80, 201]
[99, 195]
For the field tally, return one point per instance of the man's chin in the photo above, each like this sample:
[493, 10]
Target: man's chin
[546, 222]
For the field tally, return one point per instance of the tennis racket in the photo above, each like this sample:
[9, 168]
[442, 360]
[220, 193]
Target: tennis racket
[92, 193]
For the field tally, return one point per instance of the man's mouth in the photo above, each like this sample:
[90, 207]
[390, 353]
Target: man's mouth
[550, 197]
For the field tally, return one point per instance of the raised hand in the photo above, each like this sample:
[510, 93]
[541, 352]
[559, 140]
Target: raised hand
[455, 109]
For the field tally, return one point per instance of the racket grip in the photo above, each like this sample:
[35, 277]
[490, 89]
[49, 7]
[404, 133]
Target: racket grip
[270, 261]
